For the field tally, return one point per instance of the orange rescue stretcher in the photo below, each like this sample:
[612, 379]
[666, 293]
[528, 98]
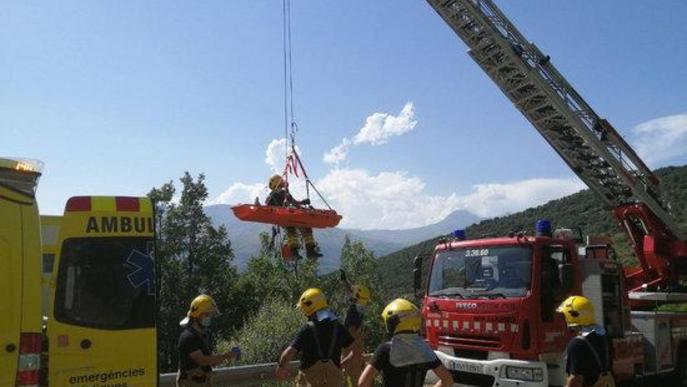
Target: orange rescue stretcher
[287, 216]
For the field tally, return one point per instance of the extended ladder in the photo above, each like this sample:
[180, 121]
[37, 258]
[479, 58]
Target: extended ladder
[589, 144]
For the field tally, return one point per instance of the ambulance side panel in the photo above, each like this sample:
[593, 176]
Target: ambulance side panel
[11, 260]
[50, 232]
[20, 280]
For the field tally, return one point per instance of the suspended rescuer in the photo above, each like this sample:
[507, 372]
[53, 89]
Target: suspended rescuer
[405, 360]
[320, 342]
[360, 297]
[280, 196]
[587, 357]
[195, 358]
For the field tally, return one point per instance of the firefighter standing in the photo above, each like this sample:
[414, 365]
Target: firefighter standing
[587, 357]
[360, 297]
[320, 342]
[405, 360]
[280, 196]
[195, 358]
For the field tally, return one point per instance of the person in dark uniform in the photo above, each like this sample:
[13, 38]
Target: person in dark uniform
[405, 360]
[360, 296]
[587, 356]
[320, 342]
[280, 196]
[195, 357]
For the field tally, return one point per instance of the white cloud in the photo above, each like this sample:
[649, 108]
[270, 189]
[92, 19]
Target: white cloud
[338, 153]
[275, 154]
[495, 199]
[661, 139]
[241, 193]
[394, 200]
[247, 192]
[378, 129]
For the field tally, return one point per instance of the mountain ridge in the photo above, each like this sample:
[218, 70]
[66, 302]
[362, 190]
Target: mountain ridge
[581, 209]
[246, 241]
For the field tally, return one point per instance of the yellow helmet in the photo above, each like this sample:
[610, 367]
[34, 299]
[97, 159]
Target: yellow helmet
[275, 181]
[361, 294]
[578, 311]
[200, 305]
[401, 315]
[311, 301]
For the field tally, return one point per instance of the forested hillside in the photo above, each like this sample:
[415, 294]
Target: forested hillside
[582, 210]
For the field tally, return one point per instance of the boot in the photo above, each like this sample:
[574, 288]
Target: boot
[312, 251]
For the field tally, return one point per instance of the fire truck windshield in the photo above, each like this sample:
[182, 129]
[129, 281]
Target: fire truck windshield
[484, 272]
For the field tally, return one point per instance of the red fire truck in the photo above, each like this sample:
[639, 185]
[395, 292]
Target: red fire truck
[489, 304]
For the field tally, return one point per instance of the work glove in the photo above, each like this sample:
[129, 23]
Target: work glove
[305, 202]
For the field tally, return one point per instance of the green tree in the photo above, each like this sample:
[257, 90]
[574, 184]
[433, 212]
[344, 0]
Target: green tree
[193, 257]
[268, 276]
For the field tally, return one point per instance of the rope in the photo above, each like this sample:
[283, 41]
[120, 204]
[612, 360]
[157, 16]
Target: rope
[293, 161]
[309, 183]
[285, 27]
[290, 126]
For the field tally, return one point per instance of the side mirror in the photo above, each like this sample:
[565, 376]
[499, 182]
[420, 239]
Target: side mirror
[417, 274]
[565, 271]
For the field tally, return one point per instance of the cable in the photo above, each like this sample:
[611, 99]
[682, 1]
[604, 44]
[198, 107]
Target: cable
[290, 126]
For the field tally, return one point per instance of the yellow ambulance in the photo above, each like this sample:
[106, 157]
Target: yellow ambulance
[101, 322]
[20, 274]
[50, 232]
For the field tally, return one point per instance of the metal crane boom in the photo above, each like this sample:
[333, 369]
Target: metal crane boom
[589, 144]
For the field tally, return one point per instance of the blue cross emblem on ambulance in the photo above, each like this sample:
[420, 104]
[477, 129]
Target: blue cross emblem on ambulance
[143, 273]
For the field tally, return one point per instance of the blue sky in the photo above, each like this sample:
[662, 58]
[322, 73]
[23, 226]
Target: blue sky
[118, 97]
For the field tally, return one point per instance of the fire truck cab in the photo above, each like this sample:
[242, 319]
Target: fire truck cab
[489, 306]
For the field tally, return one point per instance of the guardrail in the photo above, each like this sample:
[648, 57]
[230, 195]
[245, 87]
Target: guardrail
[248, 375]
[237, 376]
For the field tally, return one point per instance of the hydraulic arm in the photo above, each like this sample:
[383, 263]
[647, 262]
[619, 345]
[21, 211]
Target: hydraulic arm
[589, 144]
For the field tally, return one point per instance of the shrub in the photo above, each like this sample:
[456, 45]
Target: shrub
[267, 333]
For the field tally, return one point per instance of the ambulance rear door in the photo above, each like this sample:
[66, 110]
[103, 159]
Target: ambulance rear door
[102, 324]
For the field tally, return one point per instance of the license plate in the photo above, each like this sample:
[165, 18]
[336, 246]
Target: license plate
[465, 367]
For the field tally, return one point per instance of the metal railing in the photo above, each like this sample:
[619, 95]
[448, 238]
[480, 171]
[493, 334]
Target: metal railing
[248, 375]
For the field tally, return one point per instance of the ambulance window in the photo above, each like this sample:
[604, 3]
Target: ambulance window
[48, 261]
[106, 283]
